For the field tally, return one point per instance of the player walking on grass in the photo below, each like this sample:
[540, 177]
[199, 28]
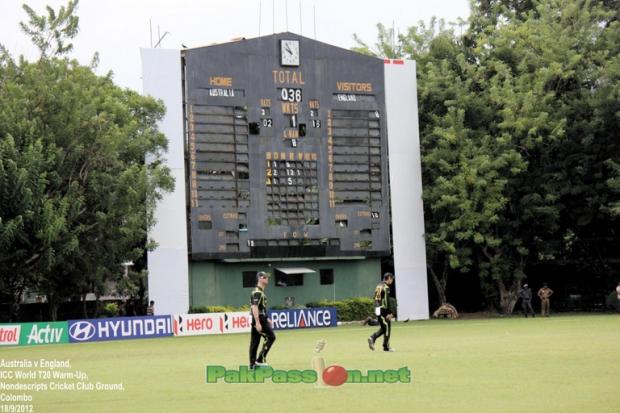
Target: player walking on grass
[261, 326]
[383, 313]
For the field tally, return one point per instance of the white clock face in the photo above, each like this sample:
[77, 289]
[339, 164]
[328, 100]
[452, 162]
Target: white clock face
[289, 52]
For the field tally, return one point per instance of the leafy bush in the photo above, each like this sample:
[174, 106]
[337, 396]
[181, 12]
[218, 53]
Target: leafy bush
[611, 301]
[197, 310]
[111, 310]
[351, 309]
[244, 307]
[218, 309]
[284, 307]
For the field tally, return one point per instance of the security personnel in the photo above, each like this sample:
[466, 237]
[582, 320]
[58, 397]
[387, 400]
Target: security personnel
[526, 300]
[261, 326]
[544, 293]
[383, 313]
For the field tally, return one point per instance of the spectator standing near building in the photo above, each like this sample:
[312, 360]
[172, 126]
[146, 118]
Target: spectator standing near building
[544, 294]
[526, 300]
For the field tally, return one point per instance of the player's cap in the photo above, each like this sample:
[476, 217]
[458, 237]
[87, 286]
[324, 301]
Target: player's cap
[388, 275]
[525, 285]
[261, 274]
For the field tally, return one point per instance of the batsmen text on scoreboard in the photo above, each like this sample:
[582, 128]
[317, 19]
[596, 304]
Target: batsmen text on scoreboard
[286, 150]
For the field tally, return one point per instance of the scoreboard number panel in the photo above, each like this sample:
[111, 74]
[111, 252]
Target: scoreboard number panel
[286, 150]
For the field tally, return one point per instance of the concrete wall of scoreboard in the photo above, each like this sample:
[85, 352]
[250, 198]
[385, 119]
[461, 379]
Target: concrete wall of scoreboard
[168, 264]
[401, 103]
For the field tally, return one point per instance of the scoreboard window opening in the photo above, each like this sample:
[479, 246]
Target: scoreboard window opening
[219, 163]
[357, 157]
[327, 276]
[288, 280]
[292, 195]
[249, 279]
[204, 223]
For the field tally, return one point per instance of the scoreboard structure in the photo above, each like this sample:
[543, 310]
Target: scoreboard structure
[279, 147]
[286, 159]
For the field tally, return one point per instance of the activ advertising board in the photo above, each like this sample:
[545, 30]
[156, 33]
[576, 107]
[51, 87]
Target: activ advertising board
[44, 333]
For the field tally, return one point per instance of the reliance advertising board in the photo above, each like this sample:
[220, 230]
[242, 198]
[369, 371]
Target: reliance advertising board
[303, 318]
[119, 328]
[241, 322]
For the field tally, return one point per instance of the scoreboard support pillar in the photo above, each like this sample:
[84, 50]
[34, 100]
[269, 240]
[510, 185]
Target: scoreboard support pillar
[168, 265]
[406, 189]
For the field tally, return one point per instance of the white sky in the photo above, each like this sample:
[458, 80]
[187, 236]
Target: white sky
[117, 29]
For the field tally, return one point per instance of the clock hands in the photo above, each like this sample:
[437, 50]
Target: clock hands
[289, 50]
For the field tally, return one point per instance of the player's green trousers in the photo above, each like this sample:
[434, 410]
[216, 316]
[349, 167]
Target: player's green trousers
[385, 330]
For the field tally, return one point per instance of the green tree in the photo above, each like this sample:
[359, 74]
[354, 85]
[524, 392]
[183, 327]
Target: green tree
[553, 79]
[76, 194]
[465, 169]
[519, 133]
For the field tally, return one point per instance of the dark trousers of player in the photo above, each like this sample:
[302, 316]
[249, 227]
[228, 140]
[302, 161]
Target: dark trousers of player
[527, 307]
[385, 330]
[267, 333]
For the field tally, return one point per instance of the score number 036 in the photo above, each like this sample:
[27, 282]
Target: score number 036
[290, 95]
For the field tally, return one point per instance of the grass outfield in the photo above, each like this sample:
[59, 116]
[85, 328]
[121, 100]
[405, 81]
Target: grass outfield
[557, 364]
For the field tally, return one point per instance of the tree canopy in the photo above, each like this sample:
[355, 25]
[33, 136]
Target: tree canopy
[519, 119]
[76, 193]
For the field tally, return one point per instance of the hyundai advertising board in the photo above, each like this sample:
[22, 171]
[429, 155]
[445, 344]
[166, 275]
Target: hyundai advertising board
[119, 328]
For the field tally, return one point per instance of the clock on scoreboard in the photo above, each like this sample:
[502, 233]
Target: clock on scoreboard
[286, 150]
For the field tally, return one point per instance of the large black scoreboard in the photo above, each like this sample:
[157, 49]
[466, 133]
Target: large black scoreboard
[286, 150]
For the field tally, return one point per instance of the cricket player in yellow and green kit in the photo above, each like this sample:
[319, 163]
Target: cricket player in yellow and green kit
[261, 325]
[383, 313]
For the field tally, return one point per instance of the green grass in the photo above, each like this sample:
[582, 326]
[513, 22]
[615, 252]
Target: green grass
[557, 364]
